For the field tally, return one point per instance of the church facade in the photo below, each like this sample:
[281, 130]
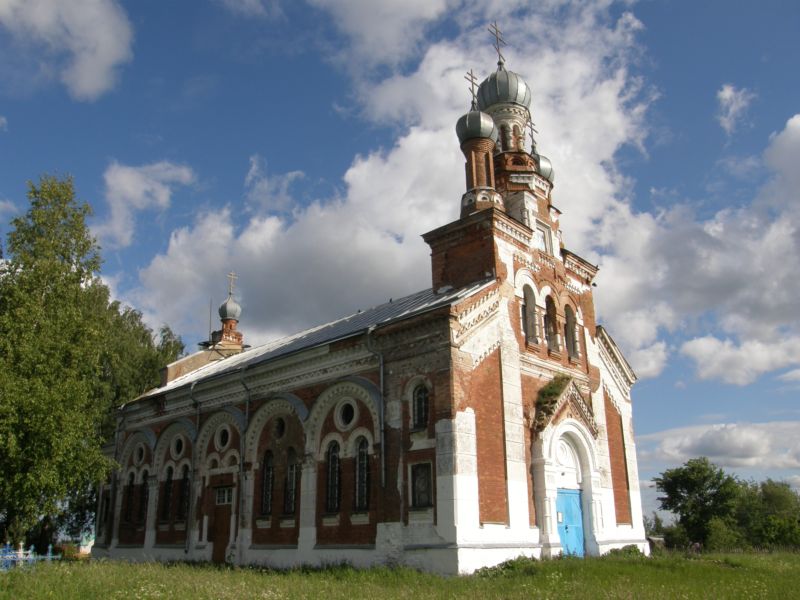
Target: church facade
[484, 418]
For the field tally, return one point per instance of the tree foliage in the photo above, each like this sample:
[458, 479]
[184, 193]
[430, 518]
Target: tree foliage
[67, 356]
[721, 512]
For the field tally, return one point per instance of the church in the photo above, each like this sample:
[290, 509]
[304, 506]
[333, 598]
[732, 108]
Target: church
[484, 418]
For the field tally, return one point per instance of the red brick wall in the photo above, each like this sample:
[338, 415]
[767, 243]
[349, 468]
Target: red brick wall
[486, 399]
[619, 467]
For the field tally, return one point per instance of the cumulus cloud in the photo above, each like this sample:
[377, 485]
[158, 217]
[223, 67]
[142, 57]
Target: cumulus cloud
[269, 192]
[791, 376]
[86, 42]
[129, 189]
[386, 32]
[269, 9]
[733, 104]
[763, 446]
[358, 248]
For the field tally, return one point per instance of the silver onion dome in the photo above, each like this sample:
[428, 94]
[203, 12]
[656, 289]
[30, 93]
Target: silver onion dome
[546, 168]
[230, 309]
[476, 124]
[503, 86]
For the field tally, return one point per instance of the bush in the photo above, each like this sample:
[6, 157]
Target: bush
[723, 535]
[676, 538]
[629, 551]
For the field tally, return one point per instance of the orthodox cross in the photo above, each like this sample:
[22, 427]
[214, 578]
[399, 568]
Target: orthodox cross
[232, 277]
[499, 42]
[470, 76]
[532, 130]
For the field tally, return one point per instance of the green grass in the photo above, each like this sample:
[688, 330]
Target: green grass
[671, 576]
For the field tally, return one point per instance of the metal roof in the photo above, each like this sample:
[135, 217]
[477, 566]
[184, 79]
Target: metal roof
[383, 314]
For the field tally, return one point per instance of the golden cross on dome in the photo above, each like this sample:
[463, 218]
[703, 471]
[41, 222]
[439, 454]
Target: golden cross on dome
[499, 42]
[232, 277]
[470, 76]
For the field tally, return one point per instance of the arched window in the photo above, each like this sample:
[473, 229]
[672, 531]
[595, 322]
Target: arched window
[551, 325]
[332, 495]
[570, 329]
[419, 409]
[529, 316]
[362, 475]
[166, 502]
[183, 496]
[267, 484]
[129, 489]
[290, 484]
[144, 496]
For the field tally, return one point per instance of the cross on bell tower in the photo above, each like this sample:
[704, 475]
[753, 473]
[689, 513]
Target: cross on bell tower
[499, 42]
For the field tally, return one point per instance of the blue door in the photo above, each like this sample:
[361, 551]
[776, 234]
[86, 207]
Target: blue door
[570, 521]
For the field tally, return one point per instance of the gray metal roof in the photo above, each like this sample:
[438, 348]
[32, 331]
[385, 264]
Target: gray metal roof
[355, 324]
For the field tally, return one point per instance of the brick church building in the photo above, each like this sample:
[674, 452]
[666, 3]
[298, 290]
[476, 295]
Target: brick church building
[483, 418]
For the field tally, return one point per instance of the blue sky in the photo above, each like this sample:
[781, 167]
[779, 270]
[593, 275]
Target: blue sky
[307, 145]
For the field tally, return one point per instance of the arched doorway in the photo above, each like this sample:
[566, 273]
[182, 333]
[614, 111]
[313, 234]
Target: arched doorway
[569, 501]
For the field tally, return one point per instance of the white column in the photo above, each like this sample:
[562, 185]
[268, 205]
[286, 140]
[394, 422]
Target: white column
[152, 509]
[307, 537]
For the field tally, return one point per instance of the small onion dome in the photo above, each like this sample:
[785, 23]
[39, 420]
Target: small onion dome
[546, 168]
[503, 87]
[230, 309]
[476, 124]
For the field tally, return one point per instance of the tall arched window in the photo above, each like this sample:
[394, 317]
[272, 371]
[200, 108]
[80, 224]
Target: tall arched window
[290, 484]
[420, 408]
[551, 325]
[332, 495]
[144, 496]
[166, 502]
[183, 495]
[570, 339]
[129, 489]
[529, 315]
[267, 484]
[362, 475]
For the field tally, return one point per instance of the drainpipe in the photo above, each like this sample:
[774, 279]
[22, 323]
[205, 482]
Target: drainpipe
[381, 418]
[242, 372]
[190, 518]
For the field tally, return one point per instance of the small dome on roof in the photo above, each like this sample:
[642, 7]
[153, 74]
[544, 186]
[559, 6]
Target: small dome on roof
[503, 86]
[230, 309]
[476, 124]
[546, 168]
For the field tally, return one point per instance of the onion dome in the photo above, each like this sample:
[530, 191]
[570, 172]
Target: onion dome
[546, 168]
[503, 87]
[230, 309]
[476, 124]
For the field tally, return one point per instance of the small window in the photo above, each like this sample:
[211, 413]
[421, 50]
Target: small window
[362, 475]
[333, 478]
[570, 331]
[166, 502]
[421, 486]
[529, 316]
[184, 495]
[551, 325]
[129, 490]
[267, 484]
[346, 415]
[420, 408]
[290, 485]
[144, 497]
[541, 238]
[177, 447]
[224, 496]
[280, 427]
[223, 437]
[139, 454]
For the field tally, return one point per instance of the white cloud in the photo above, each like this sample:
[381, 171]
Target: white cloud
[130, 189]
[733, 104]
[269, 9]
[269, 192]
[3, 123]
[740, 364]
[791, 376]
[7, 207]
[87, 41]
[386, 32]
[342, 253]
[760, 446]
